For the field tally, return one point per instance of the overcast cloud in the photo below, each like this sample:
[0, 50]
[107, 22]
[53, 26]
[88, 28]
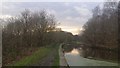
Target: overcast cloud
[71, 15]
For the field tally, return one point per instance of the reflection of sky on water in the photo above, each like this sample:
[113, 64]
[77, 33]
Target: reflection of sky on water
[74, 59]
[73, 52]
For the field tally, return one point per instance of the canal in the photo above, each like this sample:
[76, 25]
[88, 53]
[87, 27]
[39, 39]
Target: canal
[74, 58]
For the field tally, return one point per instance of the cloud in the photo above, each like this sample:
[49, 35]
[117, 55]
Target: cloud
[5, 16]
[11, 8]
[54, 0]
[83, 12]
[51, 11]
[68, 18]
[67, 4]
[73, 15]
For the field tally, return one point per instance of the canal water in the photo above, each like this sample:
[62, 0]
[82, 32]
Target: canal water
[73, 58]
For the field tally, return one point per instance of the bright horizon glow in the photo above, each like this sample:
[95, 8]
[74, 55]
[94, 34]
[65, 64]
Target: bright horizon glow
[73, 52]
[5, 16]
[73, 30]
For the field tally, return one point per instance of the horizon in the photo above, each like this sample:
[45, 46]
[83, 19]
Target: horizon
[71, 15]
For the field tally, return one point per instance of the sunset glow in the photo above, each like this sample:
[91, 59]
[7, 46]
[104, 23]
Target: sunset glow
[73, 30]
[74, 51]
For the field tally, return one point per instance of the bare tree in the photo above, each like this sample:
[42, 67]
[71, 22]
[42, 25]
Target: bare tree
[101, 30]
[30, 29]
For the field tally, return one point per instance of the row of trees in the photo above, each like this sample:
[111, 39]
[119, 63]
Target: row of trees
[119, 30]
[29, 30]
[101, 31]
[27, 26]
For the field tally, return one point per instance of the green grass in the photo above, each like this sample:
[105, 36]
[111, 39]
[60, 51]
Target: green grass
[78, 42]
[56, 61]
[38, 55]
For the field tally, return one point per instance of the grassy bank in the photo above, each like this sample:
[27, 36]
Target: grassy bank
[56, 61]
[38, 55]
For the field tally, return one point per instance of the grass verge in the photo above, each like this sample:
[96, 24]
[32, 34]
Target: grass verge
[56, 61]
[38, 55]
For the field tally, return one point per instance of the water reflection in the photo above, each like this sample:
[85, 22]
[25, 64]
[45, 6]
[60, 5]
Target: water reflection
[74, 52]
[74, 59]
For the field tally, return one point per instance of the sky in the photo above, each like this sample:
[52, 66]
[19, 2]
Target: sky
[71, 15]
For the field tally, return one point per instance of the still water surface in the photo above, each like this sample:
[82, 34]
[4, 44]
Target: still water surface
[73, 58]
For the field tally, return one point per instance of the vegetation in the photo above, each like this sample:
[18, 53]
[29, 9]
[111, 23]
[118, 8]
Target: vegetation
[100, 34]
[24, 34]
[38, 55]
[28, 37]
[56, 60]
[118, 29]
[26, 31]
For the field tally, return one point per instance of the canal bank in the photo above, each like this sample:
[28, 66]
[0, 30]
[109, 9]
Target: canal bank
[62, 61]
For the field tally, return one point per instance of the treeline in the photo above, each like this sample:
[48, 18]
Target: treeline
[30, 30]
[100, 34]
